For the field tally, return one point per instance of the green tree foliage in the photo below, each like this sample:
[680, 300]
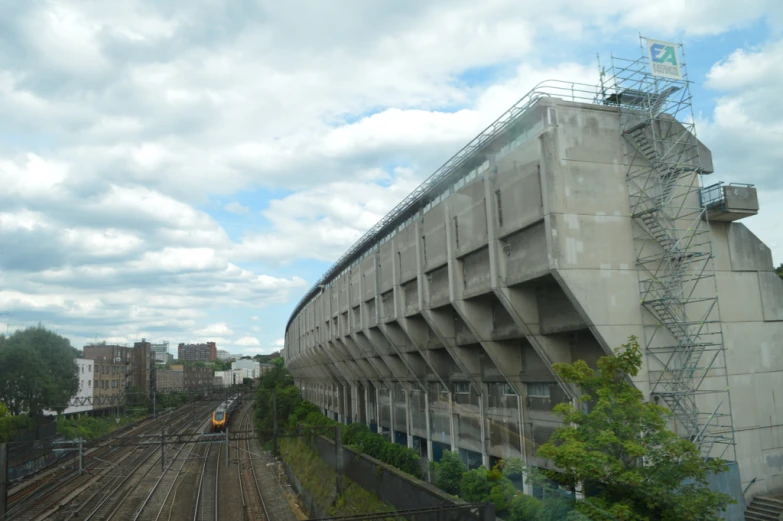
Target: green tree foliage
[779, 271]
[137, 401]
[90, 427]
[523, 508]
[220, 365]
[475, 486]
[482, 485]
[449, 472]
[10, 425]
[278, 383]
[623, 447]
[37, 371]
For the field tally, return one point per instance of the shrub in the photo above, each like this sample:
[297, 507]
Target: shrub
[523, 508]
[354, 432]
[450, 470]
[475, 485]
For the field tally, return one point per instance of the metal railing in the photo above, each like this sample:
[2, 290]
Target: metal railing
[714, 195]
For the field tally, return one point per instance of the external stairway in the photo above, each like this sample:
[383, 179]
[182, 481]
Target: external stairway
[764, 509]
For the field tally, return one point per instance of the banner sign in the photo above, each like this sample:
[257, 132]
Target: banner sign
[664, 61]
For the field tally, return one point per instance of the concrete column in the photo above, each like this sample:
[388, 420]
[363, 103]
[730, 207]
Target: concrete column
[483, 406]
[367, 402]
[428, 424]
[453, 421]
[378, 407]
[392, 412]
[346, 400]
[408, 418]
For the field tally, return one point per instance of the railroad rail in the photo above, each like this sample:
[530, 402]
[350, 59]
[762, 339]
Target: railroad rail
[63, 486]
[118, 500]
[252, 500]
[207, 499]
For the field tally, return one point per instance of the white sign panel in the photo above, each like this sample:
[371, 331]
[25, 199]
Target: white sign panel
[664, 61]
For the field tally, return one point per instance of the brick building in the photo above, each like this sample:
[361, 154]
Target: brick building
[185, 376]
[119, 367]
[170, 379]
[197, 352]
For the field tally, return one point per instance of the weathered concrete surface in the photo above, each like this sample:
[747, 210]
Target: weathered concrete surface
[446, 333]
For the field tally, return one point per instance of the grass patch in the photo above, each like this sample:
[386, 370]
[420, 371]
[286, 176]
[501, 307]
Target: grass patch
[90, 427]
[320, 480]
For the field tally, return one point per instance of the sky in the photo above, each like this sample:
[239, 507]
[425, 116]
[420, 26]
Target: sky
[184, 171]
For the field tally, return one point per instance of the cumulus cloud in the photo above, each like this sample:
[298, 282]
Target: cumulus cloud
[130, 120]
[746, 130]
[248, 341]
[215, 329]
[235, 207]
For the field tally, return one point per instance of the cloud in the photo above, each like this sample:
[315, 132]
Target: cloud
[746, 130]
[214, 330]
[247, 341]
[235, 207]
[123, 124]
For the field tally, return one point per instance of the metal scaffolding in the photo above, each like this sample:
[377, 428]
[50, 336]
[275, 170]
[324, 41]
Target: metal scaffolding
[683, 336]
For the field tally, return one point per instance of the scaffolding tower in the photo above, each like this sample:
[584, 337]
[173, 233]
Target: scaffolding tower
[683, 336]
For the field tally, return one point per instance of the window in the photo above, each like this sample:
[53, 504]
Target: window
[89, 367]
[89, 383]
[462, 388]
[500, 207]
[538, 390]
[508, 390]
[82, 369]
[114, 384]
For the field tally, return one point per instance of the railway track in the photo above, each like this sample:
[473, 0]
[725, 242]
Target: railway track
[207, 505]
[126, 492]
[47, 499]
[161, 491]
[42, 481]
[252, 500]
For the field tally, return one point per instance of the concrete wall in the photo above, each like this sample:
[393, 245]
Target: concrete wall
[402, 491]
[445, 334]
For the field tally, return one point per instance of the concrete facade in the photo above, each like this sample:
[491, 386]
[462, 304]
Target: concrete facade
[444, 332]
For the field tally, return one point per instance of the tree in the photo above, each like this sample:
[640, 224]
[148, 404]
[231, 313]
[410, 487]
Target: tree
[523, 508]
[622, 447]
[37, 371]
[450, 471]
[779, 271]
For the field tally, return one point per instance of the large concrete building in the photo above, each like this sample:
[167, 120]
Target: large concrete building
[572, 223]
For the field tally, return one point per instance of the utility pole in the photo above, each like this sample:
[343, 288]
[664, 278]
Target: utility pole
[81, 456]
[162, 451]
[274, 422]
[3, 479]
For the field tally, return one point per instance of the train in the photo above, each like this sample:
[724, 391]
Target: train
[222, 413]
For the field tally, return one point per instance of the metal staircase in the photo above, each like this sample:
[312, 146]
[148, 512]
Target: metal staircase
[682, 331]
